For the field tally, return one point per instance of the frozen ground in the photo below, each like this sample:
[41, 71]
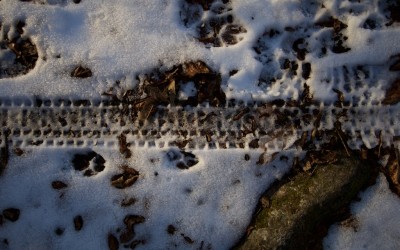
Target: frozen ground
[263, 49]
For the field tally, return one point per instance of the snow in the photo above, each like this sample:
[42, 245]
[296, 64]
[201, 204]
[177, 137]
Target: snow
[213, 201]
[378, 222]
[199, 203]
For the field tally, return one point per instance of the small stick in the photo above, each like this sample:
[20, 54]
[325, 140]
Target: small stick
[344, 145]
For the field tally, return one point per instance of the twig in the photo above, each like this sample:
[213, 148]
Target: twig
[344, 145]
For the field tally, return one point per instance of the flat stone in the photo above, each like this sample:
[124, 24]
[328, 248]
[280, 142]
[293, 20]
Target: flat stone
[295, 212]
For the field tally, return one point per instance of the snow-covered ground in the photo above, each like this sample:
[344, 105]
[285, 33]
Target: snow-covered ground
[375, 224]
[209, 205]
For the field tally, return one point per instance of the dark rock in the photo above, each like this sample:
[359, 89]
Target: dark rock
[392, 170]
[78, 222]
[299, 211]
[11, 214]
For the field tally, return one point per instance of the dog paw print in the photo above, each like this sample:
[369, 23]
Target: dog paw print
[90, 163]
[127, 236]
[182, 160]
[18, 54]
[213, 21]
[296, 43]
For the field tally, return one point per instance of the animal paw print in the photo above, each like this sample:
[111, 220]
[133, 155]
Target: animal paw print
[18, 55]
[213, 21]
[90, 163]
[182, 159]
[296, 43]
[127, 236]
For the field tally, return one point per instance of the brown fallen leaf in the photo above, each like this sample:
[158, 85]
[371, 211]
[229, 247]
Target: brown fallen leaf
[78, 222]
[11, 214]
[126, 179]
[192, 69]
[392, 171]
[124, 146]
[113, 243]
[81, 72]
[58, 185]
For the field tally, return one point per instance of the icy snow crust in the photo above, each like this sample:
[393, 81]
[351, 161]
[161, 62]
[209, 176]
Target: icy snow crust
[212, 202]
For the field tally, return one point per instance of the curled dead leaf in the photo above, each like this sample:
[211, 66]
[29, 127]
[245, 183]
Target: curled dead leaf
[126, 179]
